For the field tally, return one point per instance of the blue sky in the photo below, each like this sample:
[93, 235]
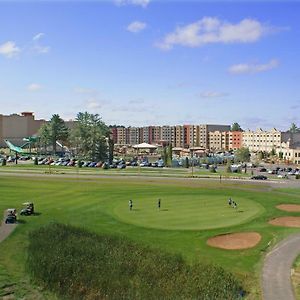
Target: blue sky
[143, 62]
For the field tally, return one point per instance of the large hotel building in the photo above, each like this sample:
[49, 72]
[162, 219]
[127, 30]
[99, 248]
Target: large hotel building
[184, 136]
[16, 127]
[206, 137]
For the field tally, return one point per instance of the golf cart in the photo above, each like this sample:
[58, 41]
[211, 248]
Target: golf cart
[11, 216]
[28, 210]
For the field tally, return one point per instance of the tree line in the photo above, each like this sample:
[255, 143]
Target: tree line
[89, 137]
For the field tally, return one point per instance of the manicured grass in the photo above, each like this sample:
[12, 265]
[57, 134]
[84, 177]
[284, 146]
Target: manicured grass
[97, 205]
[187, 211]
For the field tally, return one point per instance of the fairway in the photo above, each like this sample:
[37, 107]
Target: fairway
[187, 212]
[192, 211]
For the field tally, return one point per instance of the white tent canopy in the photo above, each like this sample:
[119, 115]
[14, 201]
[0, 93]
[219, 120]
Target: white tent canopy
[144, 146]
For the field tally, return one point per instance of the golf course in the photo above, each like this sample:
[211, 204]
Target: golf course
[192, 212]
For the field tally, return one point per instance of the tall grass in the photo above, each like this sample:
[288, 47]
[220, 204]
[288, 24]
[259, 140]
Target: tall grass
[77, 264]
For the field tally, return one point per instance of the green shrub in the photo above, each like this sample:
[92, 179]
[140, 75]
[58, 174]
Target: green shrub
[77, 264]
[212, 169]
[297, 176]
[228, 168]
[3, 163]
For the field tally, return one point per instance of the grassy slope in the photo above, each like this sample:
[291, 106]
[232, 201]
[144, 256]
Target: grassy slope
[91, 204]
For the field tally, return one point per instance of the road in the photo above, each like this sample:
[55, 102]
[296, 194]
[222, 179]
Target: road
[276, 275]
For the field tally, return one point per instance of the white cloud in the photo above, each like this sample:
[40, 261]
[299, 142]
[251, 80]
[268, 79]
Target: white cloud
[9, 49]
[212, 94]
[247, 68]
[41, 49]
[136, 26]
[91, 97]
[85, 91]
[211, 30]
[93, 104]
[142, 3]
[37, 46]
[34, 87]
[38, 36]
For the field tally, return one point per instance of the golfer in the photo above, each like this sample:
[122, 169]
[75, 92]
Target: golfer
[158, 204]
[130, 204]
[229, 201]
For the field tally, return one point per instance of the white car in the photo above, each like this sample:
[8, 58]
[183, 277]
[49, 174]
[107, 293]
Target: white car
[282, 176]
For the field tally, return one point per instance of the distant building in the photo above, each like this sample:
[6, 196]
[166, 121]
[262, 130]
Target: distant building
[16, 127]
[261, 140]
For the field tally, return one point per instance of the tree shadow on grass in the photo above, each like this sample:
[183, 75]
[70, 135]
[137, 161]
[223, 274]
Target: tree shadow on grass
[21, 221]
[36, 214]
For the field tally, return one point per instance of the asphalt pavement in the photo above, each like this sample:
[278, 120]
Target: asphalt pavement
[276, 275]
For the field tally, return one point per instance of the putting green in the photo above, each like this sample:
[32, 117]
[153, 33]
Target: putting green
[190, 212]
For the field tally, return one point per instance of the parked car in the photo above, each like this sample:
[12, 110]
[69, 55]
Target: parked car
[121, 166]
[285, 176]
[259, 177]
[262, 170]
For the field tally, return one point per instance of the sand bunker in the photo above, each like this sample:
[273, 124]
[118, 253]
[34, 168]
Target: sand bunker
[286, 221]
[289, 207]
[235, 241]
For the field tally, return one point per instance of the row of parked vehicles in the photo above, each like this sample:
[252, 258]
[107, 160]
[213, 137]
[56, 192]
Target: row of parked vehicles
[281, 172]
[11, 213]
[120, 164]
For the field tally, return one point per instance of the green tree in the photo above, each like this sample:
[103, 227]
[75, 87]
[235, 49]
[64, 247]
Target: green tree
[169, 155]
[53, 131]
[228, 167]
[89, 137]
[58, 130]
[110, 150]
[165, 156]
[44, 134]
[261, 155]
[242, 155]
[281, 155]
[294, 128]
[273, 152]
[236, 127]
[187, 163]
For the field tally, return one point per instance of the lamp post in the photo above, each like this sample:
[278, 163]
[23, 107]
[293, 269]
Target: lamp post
[192, 154]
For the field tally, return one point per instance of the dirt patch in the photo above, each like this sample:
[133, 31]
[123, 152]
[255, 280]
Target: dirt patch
[286, 221]
[235, 241]
[6, 229]
[289, 207]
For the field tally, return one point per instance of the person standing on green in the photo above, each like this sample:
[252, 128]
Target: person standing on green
[130, 204]
[158, 204]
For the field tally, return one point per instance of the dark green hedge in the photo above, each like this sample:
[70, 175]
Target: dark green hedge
[77, 264]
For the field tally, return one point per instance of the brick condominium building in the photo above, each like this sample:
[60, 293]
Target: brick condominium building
[184, 136]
